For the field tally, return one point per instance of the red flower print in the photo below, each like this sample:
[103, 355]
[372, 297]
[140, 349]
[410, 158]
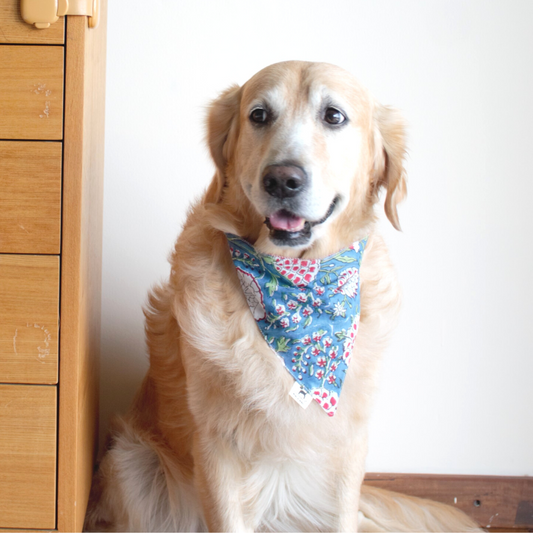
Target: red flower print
[307, 311]
[327, 342]
[292, 305]
[319, 290]
[319, 374]
[306, 340]
[302, 297]
[331, 379]
[321, 361]
[284, 322]
[315, 351]
[316, 336]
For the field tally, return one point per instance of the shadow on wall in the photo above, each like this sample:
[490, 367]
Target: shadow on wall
[123, 364]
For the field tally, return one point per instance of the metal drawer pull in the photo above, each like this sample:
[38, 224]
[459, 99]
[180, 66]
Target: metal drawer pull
[42, 13]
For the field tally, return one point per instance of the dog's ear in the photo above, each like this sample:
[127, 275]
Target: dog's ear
[222, 133]
[389, 153]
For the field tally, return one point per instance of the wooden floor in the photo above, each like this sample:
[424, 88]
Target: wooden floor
[496, 503]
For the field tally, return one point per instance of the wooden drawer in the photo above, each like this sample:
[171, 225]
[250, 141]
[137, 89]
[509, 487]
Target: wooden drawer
[28, 415]
[31, 92]
[30, 197]
[15, 31]
[51, 168]
[29, 318]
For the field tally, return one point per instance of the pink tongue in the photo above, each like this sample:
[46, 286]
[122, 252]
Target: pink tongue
[286, 221]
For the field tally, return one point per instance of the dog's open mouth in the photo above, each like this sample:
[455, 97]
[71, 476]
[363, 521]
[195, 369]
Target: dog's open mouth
[283, 220]
[288, 229]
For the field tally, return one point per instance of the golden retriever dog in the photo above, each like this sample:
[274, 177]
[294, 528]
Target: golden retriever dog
[214, 441]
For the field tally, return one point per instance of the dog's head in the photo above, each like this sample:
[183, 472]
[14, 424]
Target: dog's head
[304, 149]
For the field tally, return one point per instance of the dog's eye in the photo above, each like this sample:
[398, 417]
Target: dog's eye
[334, 116]
[259, 115]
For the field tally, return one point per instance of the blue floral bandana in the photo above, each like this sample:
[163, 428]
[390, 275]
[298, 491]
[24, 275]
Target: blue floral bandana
[308, 312]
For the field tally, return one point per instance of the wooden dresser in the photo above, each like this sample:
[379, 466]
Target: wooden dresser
[51, 168]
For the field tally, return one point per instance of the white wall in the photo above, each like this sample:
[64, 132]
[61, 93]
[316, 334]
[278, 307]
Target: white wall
[456, 394]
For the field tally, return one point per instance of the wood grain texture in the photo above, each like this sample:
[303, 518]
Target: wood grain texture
[495, 502]
[28, 456]
[31, 92]
[18, 530]
[30, 197]
[13, 30]
[81, 266]
[29, 318]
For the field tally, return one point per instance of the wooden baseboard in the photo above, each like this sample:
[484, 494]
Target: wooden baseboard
[497, 503]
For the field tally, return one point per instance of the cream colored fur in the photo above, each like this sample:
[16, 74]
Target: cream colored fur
[213, 440]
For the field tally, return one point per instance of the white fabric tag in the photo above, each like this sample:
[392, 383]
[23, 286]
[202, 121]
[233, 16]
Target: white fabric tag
[300, 395]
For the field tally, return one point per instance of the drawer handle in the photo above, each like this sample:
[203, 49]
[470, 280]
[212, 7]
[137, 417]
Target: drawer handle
[42, 13]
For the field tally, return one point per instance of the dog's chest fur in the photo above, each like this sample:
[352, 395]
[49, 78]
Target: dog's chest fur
[226, 356]
[238, 391]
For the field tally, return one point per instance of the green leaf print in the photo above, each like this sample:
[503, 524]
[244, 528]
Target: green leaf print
[326, 280]
[341, 335]
[272, 285]
[282, 344]
[344, 259]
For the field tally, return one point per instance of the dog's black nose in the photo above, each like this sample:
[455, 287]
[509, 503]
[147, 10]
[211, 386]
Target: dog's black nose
[284, 181]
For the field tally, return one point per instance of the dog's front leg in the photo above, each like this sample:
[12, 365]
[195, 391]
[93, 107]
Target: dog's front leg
[218, 477]
[349, 503]
[349, 479]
